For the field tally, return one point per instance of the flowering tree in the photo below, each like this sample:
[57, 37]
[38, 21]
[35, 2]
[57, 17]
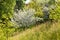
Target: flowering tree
[24, 18]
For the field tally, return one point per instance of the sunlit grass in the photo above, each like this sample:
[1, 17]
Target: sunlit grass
[45, 31]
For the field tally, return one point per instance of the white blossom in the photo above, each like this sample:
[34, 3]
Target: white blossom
[25, 18]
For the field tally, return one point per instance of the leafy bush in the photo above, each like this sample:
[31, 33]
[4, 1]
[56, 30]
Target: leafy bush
[36, 6]
[55, 13]
[25, 18]
[2, 35]
[6, 8]
[6, 13]
[39, 12]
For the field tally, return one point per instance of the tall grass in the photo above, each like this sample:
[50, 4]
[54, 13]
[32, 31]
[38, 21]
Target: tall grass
[46, 31]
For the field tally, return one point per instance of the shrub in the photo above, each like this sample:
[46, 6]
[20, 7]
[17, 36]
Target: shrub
[25, 18]
[2, 35]
[6, 12]
[55, 13]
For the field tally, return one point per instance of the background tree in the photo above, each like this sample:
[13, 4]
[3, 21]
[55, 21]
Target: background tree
[6, 8]
[19, 4]
[6, 13]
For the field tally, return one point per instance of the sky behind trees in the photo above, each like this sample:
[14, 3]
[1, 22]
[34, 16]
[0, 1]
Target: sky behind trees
[27, 1]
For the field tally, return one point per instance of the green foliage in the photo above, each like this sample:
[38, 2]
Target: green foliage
[2, 37]
[51, 2]
[6, 8]
[39, 12]
[37, 7]
[55, 13]
[19, 4]
[6, 30]
[6, 13]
